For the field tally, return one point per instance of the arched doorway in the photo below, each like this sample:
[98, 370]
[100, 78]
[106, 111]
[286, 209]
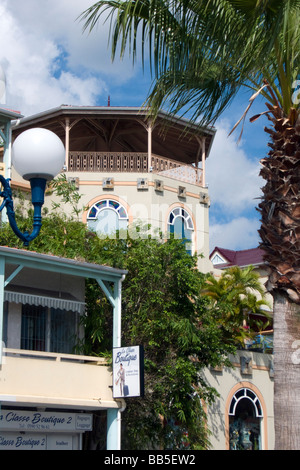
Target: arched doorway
[245, 421]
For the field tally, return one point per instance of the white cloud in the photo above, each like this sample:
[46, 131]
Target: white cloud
[59, 20]
[233, 178]
[38, 36]
[234, 187]
[49, 61]
[237, 234]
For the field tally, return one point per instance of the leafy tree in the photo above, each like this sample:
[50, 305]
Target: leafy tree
[237, 296]
[202, 52]
[163, 310]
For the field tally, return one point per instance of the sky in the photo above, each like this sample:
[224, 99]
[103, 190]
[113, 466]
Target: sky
[49, 61]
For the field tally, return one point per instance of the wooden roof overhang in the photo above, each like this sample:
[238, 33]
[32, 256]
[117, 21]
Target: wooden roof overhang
[123, 129]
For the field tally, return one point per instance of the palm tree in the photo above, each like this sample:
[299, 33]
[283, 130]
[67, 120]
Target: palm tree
[202, 52]
[236, 297]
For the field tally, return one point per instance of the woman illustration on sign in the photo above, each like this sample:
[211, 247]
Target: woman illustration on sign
[121, 379]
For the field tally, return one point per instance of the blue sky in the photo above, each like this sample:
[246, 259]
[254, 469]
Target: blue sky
[49, 61]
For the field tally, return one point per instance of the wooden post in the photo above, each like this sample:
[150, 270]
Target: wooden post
[149, 129]
[203, 163]
[67, 142]
[114, 295]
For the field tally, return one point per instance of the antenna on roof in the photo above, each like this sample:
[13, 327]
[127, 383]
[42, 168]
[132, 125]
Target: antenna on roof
[108, 101]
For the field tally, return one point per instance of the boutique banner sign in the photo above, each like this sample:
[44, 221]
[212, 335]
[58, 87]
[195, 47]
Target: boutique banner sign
[44, 421]
[128, 372]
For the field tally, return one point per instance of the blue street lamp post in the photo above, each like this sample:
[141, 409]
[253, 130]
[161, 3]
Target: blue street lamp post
[38, 155]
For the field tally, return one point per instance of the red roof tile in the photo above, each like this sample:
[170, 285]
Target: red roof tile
[252, 256]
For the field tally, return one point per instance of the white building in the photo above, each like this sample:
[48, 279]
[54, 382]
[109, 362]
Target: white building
[243, 416]
[126, 169]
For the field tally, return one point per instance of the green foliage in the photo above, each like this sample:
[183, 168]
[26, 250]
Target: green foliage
[235, 297]
[202, 52]
[163, 310]
[67, 192]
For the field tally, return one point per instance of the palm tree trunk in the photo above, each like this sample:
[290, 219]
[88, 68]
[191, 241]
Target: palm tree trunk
[280, 235]
[286, 373]
[280, 207]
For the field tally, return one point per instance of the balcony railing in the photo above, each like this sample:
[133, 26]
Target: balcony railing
[108, 162]
[57, 379]
[57, 357]
[133, 162]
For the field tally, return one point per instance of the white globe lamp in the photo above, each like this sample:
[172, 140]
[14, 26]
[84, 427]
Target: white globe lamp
[38, 153]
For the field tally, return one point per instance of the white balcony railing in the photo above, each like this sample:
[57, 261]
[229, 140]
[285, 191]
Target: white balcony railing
[56, 379]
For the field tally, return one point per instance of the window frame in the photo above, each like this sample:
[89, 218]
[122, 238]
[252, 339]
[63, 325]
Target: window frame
[47, 328]
[187, 224]
[108, 204]
[245, 393]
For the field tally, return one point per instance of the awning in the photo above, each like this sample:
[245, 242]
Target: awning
[59, 300]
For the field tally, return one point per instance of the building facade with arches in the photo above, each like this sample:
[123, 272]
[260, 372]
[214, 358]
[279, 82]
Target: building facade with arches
[243, 416]
[129, 170]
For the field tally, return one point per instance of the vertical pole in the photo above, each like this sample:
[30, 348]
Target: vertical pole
[203, 163]
[2, 279]
[113, 429]
[113, 435]
[149, 129]
[7, 150]
[67, 142]
[197, 169]
[117, 314]
[7, 160]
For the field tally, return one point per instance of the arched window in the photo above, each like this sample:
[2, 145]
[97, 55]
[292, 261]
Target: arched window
[106, 217]
[180, 224]
[245, 415]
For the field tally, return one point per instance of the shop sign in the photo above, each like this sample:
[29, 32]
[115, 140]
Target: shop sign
[18, 420]
[35, 441]
[15, 441]
[128, 372]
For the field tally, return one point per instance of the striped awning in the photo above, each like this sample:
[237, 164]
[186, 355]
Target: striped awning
[59, 300]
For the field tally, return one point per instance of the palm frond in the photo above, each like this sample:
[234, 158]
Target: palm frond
[202, 52]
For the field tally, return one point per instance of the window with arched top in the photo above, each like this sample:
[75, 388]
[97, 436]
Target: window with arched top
[180, 224]
[107, 217]
[245, 416]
